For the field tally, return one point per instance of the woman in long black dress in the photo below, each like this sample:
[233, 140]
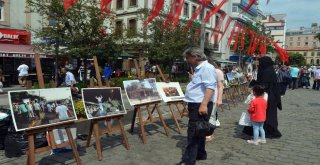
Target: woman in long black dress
[267, 77]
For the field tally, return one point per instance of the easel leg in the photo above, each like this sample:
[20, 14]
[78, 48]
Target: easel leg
[31, 153]
[89, 134]
[97, 138]
[134, 118]
[141, 124]
[162, 120]
[175, 119]
[123, 132]
[73, 146]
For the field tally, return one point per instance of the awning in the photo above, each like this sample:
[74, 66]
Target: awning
[124, 55]
[19, 51]
[220, 60]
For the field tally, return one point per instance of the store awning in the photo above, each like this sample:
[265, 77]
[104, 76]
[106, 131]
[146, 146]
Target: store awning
[125, 55]
[19, 51]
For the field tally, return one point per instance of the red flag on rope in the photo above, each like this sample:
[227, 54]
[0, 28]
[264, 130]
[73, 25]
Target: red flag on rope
[231, 34]
[263, 46]
[177, 13]
[68, 3]
[155, 11]
[243, 35]
[226, 27]
[255, 44]
[197, 12]
[251, 34]
[171, 14]
[251, 2]
[105, 6]
[235, 45]
[284, 56]
[214, 10]
[217, 28]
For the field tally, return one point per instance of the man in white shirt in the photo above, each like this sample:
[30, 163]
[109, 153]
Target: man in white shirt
[62, 111]
[316, 79]
[23, 73]
[70, 80]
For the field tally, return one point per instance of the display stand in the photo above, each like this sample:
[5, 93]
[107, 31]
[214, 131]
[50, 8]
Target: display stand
[137, 110]
[181, 112]
[94, 127]
[32, 151]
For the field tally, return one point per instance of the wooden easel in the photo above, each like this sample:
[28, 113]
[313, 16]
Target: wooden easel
[52, 145]
[175, 108]
[94, 125]
[137, 109]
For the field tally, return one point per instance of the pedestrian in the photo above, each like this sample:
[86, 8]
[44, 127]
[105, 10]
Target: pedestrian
[37, 108]
[68, 66]
[70, 81]
[200, 98]
[283, 78]
[30, 110]
[147, 69]
[316, 79]
[24, 112]
[23, 73]
[218, 96]
[268, 79]
[107, 71]
[305, 78]
[81, 72]
[93, 74]
[257, 111]
[2, 78]
[154, 70]
[294, 71]
[62, 111]
[174, 70]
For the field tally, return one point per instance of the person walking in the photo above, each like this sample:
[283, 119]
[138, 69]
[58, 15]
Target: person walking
[316, 79]
[81, 72]
[305, 78]
[62, 111]
[283, 79]
[70, 80]
[294, 71]
[174, 70]
[23, 73]
[200, 99]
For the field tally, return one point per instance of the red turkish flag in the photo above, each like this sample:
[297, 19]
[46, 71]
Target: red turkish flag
[251, 34]
[157, 6]
[243, 35]
[176, 16]
[214, 10]
[231, 34]
[197, 12]
[105, 6]
[68, 3]
[235, 45]
[171, 14]
[284, 56]
[226, 28]
[217, 28]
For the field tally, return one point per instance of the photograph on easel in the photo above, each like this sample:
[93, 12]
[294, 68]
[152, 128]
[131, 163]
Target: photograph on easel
[103, 102]
[170, 91]
[231, 79]
[242, 80]
[141, 91]
[41, 107]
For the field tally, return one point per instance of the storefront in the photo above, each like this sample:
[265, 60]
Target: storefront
[15, 48]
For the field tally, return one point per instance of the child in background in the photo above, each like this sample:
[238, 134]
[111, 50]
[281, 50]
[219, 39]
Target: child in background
[257, 111]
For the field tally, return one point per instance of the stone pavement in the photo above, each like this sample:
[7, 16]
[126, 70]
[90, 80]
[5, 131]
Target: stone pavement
[298, 122]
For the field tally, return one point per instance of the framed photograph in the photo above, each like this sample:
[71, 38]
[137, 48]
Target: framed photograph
[141, 91]
[170, 91]
[231, 79]
[103, 102]
[41, 107]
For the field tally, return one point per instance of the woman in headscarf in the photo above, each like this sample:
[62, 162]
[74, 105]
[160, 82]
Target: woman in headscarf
[267, 77]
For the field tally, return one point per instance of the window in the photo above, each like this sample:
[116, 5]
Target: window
[305, 54]
[132, 27]
[298, 43]
[207, 37]
[307, 38]
[318, 54]
[186, 10]
[119, 4]
[318, 61]
[235, 7]
[119, 28]
[312, 54]
[193, 9]
[291, 44]
[306, 43]
[133, 3]
[298, 38]
[291, 38]
[312, 61]
[1, 13]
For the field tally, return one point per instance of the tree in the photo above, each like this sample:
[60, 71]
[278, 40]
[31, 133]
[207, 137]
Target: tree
[81, 29]
[297, 59]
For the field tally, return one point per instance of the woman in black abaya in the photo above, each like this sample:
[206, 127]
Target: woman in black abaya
[267, 77]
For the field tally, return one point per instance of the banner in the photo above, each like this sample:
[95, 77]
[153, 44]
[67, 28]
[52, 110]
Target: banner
[171, 14]
[231, 34]
[217, 28]
[235, 45]
[69, 3]
[214, 10]
[105, 6]
[155, 11]
[197, 11]
[243, 36]
[179, 5]
[226, 28]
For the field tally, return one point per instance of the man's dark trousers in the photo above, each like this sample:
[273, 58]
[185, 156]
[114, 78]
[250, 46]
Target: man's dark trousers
[196, 145]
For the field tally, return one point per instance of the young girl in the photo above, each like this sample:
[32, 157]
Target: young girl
[257, 111]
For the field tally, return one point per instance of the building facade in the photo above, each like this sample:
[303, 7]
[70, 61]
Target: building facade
[276, 26]
[302, 40]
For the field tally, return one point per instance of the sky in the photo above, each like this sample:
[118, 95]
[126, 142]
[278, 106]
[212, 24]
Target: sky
[299, 12]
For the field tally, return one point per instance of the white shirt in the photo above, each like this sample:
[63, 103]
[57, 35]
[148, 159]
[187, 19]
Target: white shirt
[62, 110]
[69, 78]
[154, 68]
[23, 70]
[36, 106]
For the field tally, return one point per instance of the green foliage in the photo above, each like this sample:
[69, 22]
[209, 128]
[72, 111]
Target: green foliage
[81, 29]
[118, 82]
[181, 79]
[79, 108]
[35, 85]
[81, 85]
[297, 59]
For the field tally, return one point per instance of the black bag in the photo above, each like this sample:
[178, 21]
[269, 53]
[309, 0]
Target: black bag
[204, 128]
[4, 125]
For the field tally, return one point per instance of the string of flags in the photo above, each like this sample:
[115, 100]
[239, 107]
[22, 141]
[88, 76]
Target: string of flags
[239, 31]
